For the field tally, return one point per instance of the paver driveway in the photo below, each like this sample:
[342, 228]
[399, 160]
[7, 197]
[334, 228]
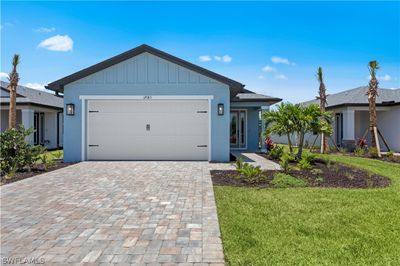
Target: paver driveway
[113, 212]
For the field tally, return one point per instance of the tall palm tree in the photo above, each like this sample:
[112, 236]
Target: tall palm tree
[13, 77]
[322, 107]
[372, 93]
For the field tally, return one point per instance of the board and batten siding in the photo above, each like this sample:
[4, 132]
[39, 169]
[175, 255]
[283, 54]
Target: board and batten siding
[143, 75]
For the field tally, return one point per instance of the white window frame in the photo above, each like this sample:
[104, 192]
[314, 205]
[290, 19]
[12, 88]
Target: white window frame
[85, 98]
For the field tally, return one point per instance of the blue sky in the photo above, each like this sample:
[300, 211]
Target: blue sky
[272, 47]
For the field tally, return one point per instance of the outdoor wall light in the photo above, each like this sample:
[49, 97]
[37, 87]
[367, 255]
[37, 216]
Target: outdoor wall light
[70, 109]
[220, 109]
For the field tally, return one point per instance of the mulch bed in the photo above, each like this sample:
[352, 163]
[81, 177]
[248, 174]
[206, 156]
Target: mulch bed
[37, 170]
[334, 175]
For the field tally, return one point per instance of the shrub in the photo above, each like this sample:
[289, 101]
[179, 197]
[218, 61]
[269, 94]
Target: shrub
[276, 152]
[390, 153]
[316, 171]
[342, 150]
[268, 143]
[249, 173]
[281, 180]
[304, 164]
[358, 151]
[361, 142]
[319, 179]
[58, 155]
[284, 163]
[309, 157]
[373, 152]
[15, 153]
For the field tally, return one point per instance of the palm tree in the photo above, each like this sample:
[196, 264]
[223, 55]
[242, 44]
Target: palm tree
[13, 77]
[280, 122]
[322, 104]
[372, 93]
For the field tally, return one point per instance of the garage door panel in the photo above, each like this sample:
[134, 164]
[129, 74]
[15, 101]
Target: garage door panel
[118, 130]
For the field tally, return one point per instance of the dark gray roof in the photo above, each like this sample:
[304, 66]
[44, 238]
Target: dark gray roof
[358, 97]
[58, 85]
[27, 95]
[254, 97]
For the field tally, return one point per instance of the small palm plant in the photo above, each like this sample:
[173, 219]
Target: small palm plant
[13, 77]
[373, 66]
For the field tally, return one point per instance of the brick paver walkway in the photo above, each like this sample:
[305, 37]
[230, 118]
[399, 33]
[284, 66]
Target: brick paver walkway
[141, 213]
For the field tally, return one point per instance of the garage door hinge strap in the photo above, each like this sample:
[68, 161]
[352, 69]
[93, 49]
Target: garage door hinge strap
[93, 111]
[202, 112]
[93, 145]
[202, 146]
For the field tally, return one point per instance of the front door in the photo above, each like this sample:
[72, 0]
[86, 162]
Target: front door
[38, 126]
[238, 129]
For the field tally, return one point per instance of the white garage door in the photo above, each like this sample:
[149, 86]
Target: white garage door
[147, 130]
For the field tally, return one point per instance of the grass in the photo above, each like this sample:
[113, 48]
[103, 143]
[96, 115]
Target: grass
[313, 226]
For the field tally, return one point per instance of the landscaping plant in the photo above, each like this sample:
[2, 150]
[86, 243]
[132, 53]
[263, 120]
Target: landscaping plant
[281, 180]
[269, 143]
[15, 152]
[298, 119]
[276, 152]
[373, 152]
[248, 172]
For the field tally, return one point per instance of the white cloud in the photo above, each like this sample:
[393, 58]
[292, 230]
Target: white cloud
[385, 77]
[280, 60]
[280, 76]
[57, 43]
[225, 58]
[3, 76]
[268, 69]
[204, 58]
[261, 77]
[44, 30]
[36, 86]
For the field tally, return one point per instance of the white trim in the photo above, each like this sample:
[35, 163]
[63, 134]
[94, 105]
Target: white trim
[238, 148]
[84, 99]
[145, 97]
[84, 135]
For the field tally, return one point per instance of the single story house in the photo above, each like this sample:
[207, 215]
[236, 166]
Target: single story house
[351, 118]
[145, 104]
[36, 109]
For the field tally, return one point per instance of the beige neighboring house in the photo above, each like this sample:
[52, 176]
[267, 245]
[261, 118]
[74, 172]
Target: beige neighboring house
[36, 109]
[351, 118]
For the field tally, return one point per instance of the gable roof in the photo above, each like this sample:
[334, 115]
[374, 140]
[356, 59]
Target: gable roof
[27, 95]
[359, 97]
[250, 96]
[58, 85]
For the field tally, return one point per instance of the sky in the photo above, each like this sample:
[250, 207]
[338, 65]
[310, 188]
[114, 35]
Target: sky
[274, 48]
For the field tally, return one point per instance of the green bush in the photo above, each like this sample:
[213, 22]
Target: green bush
[281, 180]
[373, 152]
[249, 173]
[304, 164]
[15, 153]
[276, 152]
[284, 163]
[309, 157]
[58, 155]
[390, 153]
[358, 151]
[316, 171]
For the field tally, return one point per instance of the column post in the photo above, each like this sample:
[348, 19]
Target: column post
[27, 122]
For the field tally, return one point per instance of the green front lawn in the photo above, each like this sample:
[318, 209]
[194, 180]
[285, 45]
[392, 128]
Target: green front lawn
[313, 226]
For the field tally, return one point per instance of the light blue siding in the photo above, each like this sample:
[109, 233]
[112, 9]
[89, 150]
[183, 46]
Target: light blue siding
[146, 74]
[252, 129]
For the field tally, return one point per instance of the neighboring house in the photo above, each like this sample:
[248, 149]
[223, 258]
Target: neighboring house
[36, 109]
[145, 104]
[351, 118]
